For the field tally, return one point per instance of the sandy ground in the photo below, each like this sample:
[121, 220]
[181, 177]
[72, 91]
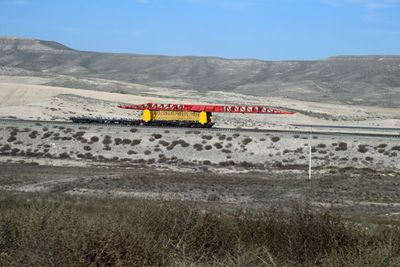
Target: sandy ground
[192, 149]
[26, 98]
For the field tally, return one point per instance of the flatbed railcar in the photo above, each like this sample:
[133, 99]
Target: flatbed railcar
[157, 123]
[179, 115]
[100, 120]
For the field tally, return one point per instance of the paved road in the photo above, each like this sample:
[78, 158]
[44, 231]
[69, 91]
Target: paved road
[280, 131]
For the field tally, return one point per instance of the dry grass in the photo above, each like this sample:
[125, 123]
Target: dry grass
[53, 230]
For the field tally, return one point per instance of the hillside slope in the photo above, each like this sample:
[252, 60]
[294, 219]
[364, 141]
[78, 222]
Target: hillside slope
[361, 80]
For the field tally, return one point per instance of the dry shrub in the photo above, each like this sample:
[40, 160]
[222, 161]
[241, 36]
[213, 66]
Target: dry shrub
[79, 134]
[163, 143]
[64, 155]
[94, 139]
[107, 140]
[5, 147]
[33, 134]
[136, 142]
[218, 145]
[247, 140]
[341, 146]
[198, 147]
[362, 148]
[126, 141]
[207, 137]
[177, 142]
[157, 136]
[11, 139]
[369, 159]
[54, 230]
[275, 139]
[47, 135]
[118, 141]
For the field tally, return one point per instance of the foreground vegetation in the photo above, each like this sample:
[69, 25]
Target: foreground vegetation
[58, 230]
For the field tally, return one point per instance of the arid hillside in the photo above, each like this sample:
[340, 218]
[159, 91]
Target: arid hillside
[361, 80]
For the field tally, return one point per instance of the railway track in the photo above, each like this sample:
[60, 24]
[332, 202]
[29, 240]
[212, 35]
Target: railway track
[316, 126]
[281, 131]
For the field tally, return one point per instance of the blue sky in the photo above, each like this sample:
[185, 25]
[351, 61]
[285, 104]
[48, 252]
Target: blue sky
[263, 29]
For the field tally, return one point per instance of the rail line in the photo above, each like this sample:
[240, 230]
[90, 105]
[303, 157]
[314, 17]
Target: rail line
[383, 129]
[282, 131]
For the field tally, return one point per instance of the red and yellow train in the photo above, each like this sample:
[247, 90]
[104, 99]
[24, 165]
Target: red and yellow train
[187, 115]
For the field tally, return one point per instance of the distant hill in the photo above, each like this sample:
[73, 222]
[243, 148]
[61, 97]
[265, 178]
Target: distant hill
[361, 80]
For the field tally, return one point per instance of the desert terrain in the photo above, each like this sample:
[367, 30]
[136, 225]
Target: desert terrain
[33, 93]
[247, 175]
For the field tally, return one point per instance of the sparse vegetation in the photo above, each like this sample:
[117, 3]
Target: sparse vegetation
[218, 145]
[110, 232]
[157, 136]
[342, 146]
[198, 147]
[11, 139]
[78, 134]
[362, 148]
[126, 141]
[275, 139]
[247, 141]
[163, 143]
[178, 142]
[207, 137]
[369, 158]
[33, 134]
[117, 141]
[47, 135]
[94, 139]
[136, 142]
[107, 140]
[64, 155]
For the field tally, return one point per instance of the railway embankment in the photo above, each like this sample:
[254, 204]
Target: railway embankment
[193, 149]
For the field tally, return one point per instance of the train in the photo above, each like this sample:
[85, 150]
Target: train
[179, 115]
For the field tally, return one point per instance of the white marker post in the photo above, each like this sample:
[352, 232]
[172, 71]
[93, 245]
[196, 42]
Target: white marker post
[310, 163]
